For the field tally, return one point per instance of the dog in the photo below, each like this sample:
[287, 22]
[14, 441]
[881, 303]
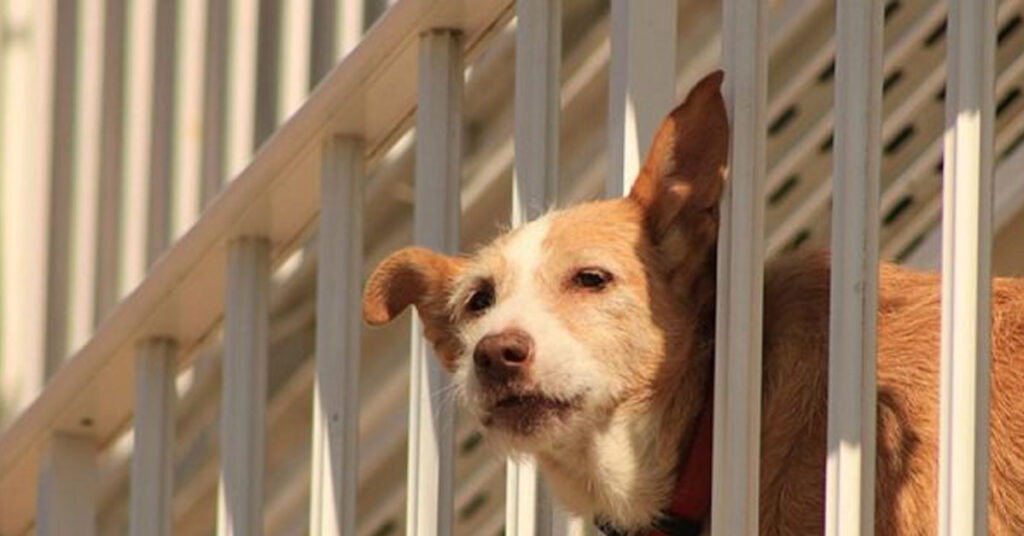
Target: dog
[585, 339]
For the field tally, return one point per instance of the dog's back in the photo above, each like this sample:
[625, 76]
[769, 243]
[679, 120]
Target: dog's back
[795, 393]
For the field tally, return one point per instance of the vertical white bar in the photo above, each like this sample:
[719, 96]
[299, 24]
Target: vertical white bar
[850, 479]
[152, 460]
[966, 269]
[137, 146]
[24, 193]
[296, 32]
[242, 30]
[350, 26]
[334, 460]
[430, 490]
[325, 18]
[159, 219]
[108, 242]
[642, 82]
[67, 487]
[215, 91]
[736, 457]
[337, 29]
[88, 89]
[528, 508]
[244, 393]
[61, 147]
[268, 69]
[188, 118]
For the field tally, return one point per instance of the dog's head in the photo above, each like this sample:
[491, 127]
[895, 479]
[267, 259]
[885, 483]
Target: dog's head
[558, 324]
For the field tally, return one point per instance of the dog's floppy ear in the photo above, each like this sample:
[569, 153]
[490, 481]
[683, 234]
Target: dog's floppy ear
[683, 177]
[420, 277]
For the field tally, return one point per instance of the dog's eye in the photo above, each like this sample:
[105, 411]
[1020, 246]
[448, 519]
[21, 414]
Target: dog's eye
[592, 278]
[481, 299]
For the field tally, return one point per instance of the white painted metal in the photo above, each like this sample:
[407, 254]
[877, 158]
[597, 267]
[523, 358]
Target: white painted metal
[737, 419]
[66, 502]
[334, 460]
[268, 62]
[26, 80]
[966, 269]
[240, 102]
[538, 66]
[61, 176]
[296, 31]
[111, 161]
[159, 218]
[153, 451]
[337, 28]
[188, 114]
[244, 393]
[88, 91]
[350, 26]
[430, 491]
[642, 79]
[142, 27]
[850, 473]
[215, 95]
[528, 508]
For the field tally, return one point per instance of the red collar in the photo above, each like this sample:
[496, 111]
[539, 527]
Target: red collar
[691, 501]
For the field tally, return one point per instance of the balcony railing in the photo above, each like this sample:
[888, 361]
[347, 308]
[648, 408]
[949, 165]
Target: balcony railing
[213, 284]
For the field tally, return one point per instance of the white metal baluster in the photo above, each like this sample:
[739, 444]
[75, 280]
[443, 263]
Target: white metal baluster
[108, 240]
[244, 392]
[67, 487]
[240, 102]
[296, 32]
[61, 177]
[137, 146]
[430, 491]
[152, 460]
[736, 457]
[215, 94]
[350, 27]
[528, 508]
[88, 91]
[268, 69]
[642, 82]
[966, 269]
[26, 80]
[159, 217]
[850, 488]
[337, 28]
[334, 461]
[188, 110]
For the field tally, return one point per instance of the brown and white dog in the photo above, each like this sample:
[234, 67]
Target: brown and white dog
[585, 339]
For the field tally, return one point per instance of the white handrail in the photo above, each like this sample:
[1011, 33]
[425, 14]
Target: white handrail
[276, 196]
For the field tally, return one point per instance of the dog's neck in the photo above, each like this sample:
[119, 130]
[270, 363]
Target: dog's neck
[625, 472]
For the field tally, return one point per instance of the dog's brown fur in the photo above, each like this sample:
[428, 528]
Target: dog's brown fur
[663, 239]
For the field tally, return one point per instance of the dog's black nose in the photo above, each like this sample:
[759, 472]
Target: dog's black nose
[501, 357]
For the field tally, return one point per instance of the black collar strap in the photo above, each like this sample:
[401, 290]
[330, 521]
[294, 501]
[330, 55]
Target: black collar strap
[667, 525]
